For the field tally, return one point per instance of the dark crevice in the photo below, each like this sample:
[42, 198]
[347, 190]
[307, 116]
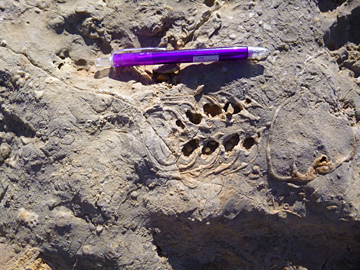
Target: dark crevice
[210, 147]
[248, 143]
[190, 147]
[231, 143]
[159, 251]
[323, 159]
[2, 195]
[179, 123]
[60, 65]
[235, 107]
[81, 62]
[158, 248]
[212, 110]
[209, 3]
[194, 118]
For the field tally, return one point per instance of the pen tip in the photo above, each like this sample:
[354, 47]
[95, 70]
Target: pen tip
[257, 52]
[102, 62]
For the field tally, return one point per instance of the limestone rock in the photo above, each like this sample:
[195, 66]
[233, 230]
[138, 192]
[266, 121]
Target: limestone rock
[226, 165]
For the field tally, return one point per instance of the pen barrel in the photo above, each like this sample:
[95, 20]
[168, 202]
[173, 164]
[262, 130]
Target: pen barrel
[132, 59]
[200, 55]
[180, 56]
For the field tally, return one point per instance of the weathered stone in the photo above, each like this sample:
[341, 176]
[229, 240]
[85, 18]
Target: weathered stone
[226, 165]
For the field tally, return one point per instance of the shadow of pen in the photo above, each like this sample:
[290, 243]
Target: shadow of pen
[124, 74]
[217, 74]
[212, 75]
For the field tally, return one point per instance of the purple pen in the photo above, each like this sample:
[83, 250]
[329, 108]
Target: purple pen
[154, 56]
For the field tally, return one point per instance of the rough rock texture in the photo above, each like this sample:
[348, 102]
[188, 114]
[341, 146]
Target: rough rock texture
[236, 165]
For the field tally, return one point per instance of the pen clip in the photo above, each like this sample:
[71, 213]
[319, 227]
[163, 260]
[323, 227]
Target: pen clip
[139, 50]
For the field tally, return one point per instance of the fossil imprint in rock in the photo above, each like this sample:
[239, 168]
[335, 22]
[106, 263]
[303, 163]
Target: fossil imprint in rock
[310, 136]
[208, 136]
[221, 134]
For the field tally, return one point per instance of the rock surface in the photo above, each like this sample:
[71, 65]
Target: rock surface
[227, 165]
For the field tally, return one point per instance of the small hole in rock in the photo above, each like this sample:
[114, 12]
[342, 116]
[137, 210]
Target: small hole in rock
[209, 3]
[323, 159]
[81, 62]
[210, 147]
[231, 106]
[60, 65]
[179, 123]
[230, 143]
[248, 143]
[248, 101]
[212, 110]
[194, 117]
[63, 53]
[190, 147]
